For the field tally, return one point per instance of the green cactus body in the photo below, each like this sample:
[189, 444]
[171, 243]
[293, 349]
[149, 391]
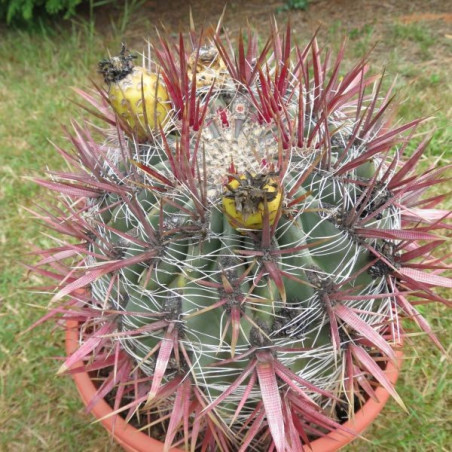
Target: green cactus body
[273, 310]
[194, 264]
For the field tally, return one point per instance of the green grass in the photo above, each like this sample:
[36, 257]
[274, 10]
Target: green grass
[39, 411]
[416, 33]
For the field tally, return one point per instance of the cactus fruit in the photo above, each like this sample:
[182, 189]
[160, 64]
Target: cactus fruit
[247, 263]
[136, 94]
[208, 66]
[247, 197]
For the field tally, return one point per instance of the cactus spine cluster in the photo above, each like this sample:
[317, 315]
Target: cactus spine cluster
[246, 257]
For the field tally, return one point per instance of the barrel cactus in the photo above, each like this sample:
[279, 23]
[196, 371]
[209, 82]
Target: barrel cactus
[247, 231]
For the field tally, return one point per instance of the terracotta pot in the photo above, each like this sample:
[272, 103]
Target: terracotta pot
[132, 440]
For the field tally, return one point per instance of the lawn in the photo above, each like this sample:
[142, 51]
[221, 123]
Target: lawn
[39, 411]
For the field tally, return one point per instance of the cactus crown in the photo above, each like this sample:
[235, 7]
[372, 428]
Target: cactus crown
[246, 261]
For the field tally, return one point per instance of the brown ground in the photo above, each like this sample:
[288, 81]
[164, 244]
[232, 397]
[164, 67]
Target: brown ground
[333, 18]
[320, 13]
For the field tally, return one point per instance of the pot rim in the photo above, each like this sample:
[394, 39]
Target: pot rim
[133, 440]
